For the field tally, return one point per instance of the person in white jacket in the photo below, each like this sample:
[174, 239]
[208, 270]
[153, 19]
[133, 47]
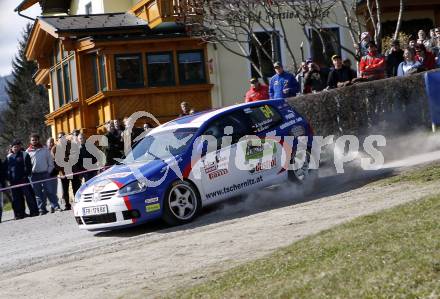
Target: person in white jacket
[42, 166]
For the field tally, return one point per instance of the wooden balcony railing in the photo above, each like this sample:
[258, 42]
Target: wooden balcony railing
[156, 12]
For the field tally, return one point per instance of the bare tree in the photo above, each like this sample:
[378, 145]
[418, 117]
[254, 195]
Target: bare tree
[399, 20]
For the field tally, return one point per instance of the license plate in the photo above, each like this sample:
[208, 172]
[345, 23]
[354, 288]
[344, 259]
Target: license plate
[95, 210]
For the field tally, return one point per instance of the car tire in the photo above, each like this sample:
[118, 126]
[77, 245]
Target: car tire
[181, 203]
[301, 175]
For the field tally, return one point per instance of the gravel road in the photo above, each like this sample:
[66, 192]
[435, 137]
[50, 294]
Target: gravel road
[48, 257]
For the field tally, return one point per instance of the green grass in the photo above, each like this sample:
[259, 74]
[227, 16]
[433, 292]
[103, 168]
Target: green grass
[391, 254]
[423, 175]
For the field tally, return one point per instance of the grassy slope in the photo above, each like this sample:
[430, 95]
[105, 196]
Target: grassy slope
[394, 253]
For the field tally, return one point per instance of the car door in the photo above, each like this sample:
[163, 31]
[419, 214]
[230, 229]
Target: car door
[265, 154]
[220, 177]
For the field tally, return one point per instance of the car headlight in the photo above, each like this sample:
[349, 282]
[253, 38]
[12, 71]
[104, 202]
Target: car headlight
[77, 197]
[132, 188]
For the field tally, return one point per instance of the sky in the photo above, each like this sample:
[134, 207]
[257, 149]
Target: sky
[11, 27]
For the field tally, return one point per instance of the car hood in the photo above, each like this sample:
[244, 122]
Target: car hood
[124, 174]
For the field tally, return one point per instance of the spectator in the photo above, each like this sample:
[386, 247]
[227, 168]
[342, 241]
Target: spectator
[186, 109]
[372, 66]
[19, 168]
[2, 185]
[66, 179]
[129, 136]
[256, 92]
[412, 43]
[119, 128]
[426, 58]
[147, 127]
[362, 47]
[423, 40]
[50, 143]
[313, 81]
[115, 146]
[347, 63]
[301, 74]
[42, 166]
[394, 58]
[410, 65]
[282, 84]
[84, 154]
[435, 41]
[339, 76]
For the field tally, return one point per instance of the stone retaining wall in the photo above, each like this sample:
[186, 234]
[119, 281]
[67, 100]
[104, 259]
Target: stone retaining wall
[391, 105]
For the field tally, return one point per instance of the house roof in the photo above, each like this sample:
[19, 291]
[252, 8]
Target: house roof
[98, 22]
[48, 6]
[25, 4]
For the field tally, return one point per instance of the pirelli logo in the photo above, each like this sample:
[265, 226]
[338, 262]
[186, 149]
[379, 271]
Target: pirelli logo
[217, 173]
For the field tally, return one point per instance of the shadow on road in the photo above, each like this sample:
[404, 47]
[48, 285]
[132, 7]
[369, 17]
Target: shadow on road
[267, 199]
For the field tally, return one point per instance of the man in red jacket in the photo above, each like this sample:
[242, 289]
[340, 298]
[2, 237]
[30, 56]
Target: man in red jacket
[372, 65]
[256, 92]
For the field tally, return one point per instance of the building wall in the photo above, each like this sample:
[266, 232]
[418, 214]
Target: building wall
[101, 6]
[233, 72]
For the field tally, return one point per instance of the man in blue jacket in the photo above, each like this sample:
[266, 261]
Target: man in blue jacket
[283, 84]
[19, 168]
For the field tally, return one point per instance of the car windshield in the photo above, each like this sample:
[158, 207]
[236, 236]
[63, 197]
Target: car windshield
[161, 145]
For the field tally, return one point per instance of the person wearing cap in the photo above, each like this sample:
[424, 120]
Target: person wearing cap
[339, 76]
[393, 59]
[283, 84]
[257, 91]
[372, 65]
[18, 169]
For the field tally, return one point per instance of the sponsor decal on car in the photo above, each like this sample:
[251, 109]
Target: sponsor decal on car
[235, 187]
[291, 122]
[118, 175]
[264, 165]
[152, 208]
[217, 173]
[267, 147]
[151, 200]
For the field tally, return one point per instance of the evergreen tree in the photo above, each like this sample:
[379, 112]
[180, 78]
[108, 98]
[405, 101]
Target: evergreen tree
[28, 102]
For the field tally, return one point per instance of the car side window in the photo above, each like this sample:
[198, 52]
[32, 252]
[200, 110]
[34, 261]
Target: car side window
[237, 122]
[263, 117]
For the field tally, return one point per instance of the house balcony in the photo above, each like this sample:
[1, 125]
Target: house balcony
[156, 12]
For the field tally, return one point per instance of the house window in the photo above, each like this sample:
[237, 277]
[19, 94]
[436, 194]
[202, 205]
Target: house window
[129, 73]
[160, 68]
[262, 56]
[332, 43]
[66, 74]
[88, 8]
[95, 74]
[63, 77]
[192, 67]
[60, 86]
[102, 74]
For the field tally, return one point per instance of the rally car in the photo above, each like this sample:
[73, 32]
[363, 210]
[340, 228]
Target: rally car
[196, 160]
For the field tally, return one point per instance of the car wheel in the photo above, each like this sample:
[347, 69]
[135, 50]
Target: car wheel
[300, 174]
[181, 204]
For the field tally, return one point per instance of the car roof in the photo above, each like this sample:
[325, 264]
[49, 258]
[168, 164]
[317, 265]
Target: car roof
[198, 119]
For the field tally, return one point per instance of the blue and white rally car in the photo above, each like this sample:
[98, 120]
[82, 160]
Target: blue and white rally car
[193, 161]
